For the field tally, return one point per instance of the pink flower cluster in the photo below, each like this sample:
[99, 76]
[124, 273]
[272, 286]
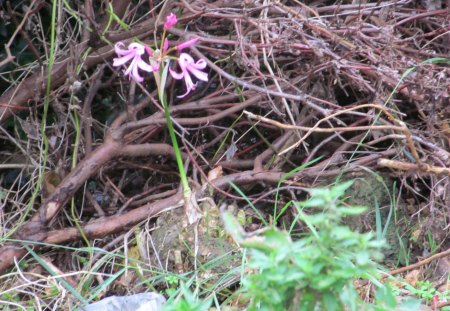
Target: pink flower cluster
[136, 51]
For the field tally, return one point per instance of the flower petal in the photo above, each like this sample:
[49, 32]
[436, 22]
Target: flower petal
[198, 74]
[171, 21]
[186, 44]
[176, 75]
[185, 59]
[184, 95]
[135, 73]
[200, 64]
[189, 84]
[136, 48]
[122, 60]
[118, 50]
[144, 66]
[130, 67]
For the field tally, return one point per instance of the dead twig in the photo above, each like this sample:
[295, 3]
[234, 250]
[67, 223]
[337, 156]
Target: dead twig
[411, 167]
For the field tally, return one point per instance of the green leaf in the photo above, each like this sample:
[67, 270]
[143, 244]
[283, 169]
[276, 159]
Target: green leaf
[350, 298]
[320, 192]
[61, 280]
[104, 285]
[164, 79]
[342, 233]
[362, 258]
[352, 211]
[314, 202]
[339, 190]
[330, 302]
[385, 296]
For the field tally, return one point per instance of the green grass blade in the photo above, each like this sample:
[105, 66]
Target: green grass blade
[104, 285]
[283, 178]
[63, 282]
[261, 217]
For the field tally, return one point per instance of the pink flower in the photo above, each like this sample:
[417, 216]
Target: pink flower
[188, 66]
[171, 21]
[133, 53]
[186, 44]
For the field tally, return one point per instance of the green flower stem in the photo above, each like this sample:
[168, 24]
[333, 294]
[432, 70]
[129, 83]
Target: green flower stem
[162, 98]
[173, 138]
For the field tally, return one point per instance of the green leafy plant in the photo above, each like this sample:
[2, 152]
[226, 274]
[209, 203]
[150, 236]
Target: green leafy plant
[432, 242]
[425, 290]
[173, 283]
[188, 301]
[315, 272]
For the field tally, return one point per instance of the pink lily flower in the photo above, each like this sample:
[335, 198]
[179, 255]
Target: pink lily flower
[171, 21]
[133, 53]
[186, 44]
[188, 66]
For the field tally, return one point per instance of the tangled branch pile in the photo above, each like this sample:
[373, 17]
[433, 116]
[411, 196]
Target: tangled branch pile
[340, 87]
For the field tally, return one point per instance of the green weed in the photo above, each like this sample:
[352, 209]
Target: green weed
[187, 301]
[315, 272]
